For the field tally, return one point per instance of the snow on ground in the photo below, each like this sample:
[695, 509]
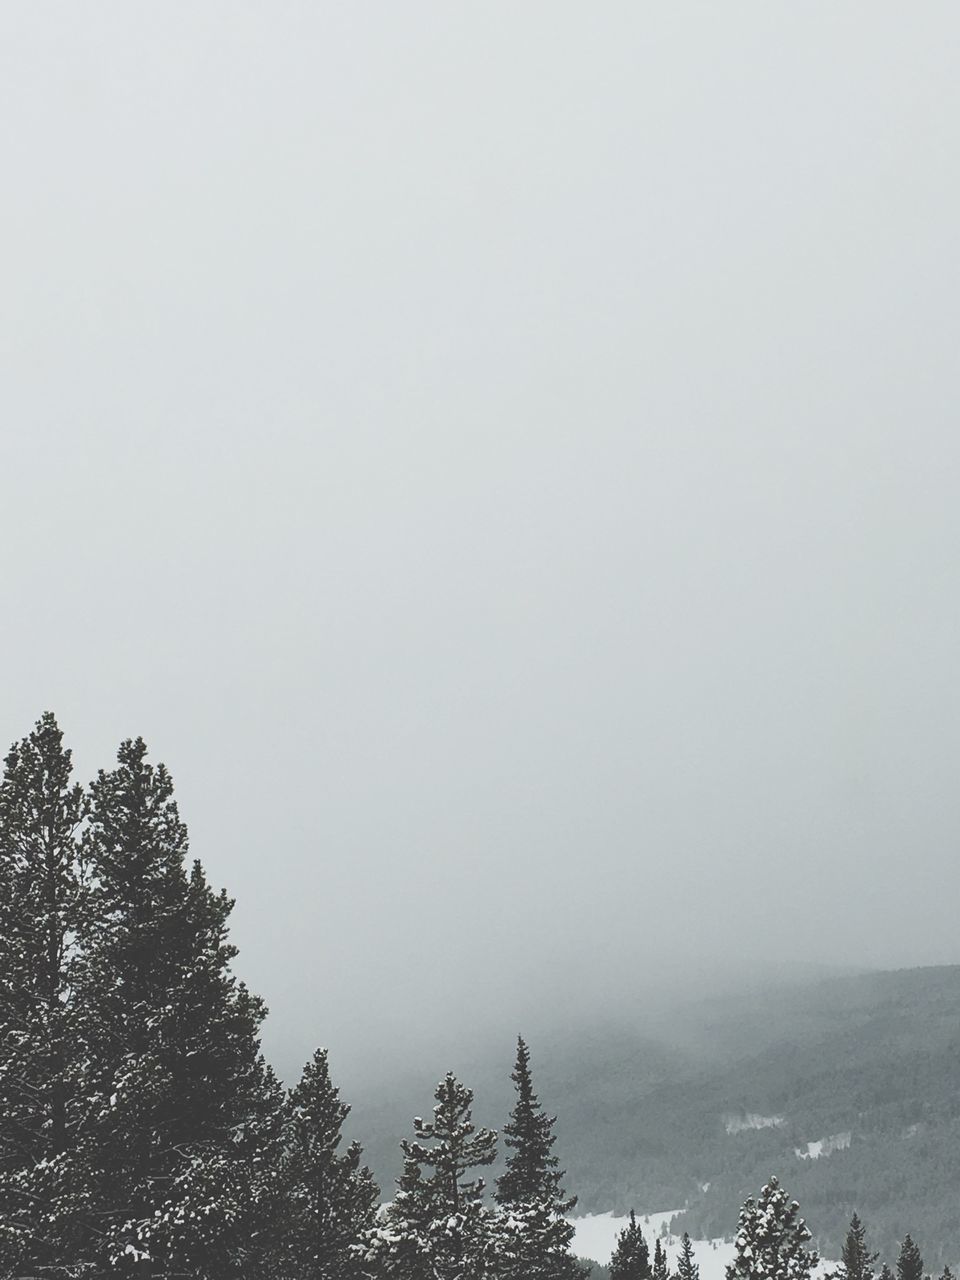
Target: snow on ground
[596, 1233]
[823, 1147]
[751, 1120]
[596, 1238]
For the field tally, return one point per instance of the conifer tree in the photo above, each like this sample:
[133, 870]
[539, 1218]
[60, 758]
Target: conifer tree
[947, 1274]
[687, 1268]
[437, 1225]
[631, 1257]
[909, 1261]
[534, 1235]
[398, 1246]
[43, 900]
[187, 1114]
[886, 1273]
[771, 1240]
[532, 1170]
[328, 1199]
[660, 1270]
[857, 1262]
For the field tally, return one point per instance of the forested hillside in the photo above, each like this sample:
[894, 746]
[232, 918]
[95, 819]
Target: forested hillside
[645, 1121]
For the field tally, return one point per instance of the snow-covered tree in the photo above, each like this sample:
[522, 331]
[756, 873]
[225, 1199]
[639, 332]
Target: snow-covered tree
[327, 1200]
[437, 1225]
[534, 1235]
[43, 900]
[909, 1261]
[660, 1270]
[187, 1114]
[398, 1244]
[856, 1260]
[631, 1257]
[687, 1268]
[771, 1241]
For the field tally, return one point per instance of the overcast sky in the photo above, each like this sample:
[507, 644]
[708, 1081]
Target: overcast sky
[504, 459]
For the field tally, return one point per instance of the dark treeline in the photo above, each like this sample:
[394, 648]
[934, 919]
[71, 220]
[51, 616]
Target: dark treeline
[141, 1130]
[142, 1133]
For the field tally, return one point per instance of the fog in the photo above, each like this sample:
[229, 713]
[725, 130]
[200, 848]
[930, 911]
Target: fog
[504, 460]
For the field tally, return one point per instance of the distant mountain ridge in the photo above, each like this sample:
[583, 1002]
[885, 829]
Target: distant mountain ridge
[856, 1080]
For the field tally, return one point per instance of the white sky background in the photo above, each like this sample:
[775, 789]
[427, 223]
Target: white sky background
[504, 459]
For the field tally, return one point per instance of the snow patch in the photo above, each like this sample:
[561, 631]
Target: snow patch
[823, 1147]
[751, 1120]
[595, 1237]
[595, 1234]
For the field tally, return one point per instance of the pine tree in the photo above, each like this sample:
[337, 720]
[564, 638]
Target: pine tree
[398, 1244]
[532, 1170]
[187, 1113]
[631, 1257]
[534, 1235]
[857, 1262]
[43, 900]
[687, 1268]
[328, 1199]
[886, 1273]
[437, 1225]
[771, 1239]
[947, 1274]
[909, 1261]
[660, 1270]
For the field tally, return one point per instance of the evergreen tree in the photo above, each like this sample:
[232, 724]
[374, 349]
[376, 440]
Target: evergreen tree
[532, 1170]
[687, 1268]
[857, 1262]
[660, 1270]
[631, 1257]
[398, 1244]
[187, 1114]
[886, 1273]
[909, 1261]
[43, 900]
[534, 1235]
[771, 1239]
[947, 1274]
[328, 1199]
[437, 1225]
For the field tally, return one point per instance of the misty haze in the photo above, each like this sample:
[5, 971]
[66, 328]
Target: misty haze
[502, 460]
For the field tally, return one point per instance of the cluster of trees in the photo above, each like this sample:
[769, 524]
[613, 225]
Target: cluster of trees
[141, 1130]
[142, 1133]
[772, 1243]
[631, 1257]
[859, 1263]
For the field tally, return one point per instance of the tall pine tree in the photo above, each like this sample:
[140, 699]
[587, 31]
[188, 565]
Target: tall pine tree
[856, 1260]
[534, 1235]
[909, 1260]
[437, 1225]
[631, 1257]
[188, 1113]
[660, 1270]
[43, 901]
[328, 1200]
[687, 1268]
